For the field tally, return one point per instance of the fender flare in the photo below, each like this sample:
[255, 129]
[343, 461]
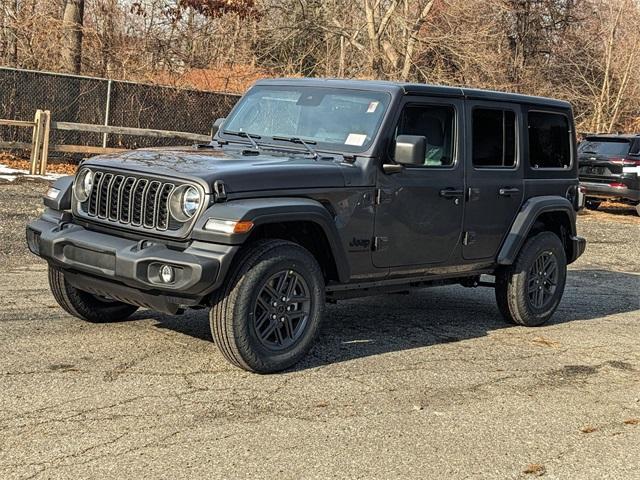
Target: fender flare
[525, 220]
[262, 211]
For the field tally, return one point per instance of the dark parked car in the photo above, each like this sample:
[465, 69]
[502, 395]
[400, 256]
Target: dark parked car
[609, 169]
[321, 190]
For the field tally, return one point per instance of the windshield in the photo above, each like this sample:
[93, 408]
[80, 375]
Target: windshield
[605, 147]
[332, 119]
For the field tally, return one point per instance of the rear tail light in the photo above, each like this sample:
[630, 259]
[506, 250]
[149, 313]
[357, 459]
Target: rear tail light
[630, 162]
[617, 185]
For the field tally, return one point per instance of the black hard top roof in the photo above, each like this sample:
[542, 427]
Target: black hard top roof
[419, 89]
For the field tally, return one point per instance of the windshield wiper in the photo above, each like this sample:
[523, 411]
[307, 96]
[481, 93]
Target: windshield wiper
[300, 141]
[248, 136]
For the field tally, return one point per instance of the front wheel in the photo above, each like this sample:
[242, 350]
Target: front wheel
[529, 291]
[267, 316]
[84, 305]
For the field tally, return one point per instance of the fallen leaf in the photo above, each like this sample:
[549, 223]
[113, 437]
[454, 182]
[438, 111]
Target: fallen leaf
[632, 421]
[588, 429]
[535, 469]
[546, 342]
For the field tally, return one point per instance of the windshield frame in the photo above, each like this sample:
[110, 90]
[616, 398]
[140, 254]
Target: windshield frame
[268, 142]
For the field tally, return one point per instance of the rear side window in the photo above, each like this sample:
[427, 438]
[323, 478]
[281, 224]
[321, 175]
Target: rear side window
[494, 138]
[605, 146]
[549, 140]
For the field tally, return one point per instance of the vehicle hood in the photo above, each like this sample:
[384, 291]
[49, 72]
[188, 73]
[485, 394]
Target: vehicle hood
[239, 172]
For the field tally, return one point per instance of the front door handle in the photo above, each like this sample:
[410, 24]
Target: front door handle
[508, 191]
[451, 193]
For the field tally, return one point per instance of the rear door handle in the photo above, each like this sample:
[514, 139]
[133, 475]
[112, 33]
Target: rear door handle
[508, 191]
[451, 193]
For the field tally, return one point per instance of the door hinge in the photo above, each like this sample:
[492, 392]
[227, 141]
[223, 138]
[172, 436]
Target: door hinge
[380, 243]
[468, 238]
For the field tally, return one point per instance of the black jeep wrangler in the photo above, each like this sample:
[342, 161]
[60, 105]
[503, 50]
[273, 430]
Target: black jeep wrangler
[319, 190]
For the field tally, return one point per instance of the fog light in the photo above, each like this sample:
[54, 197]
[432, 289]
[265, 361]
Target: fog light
[167, 274]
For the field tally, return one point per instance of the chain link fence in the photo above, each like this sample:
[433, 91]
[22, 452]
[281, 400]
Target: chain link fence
[98, 101]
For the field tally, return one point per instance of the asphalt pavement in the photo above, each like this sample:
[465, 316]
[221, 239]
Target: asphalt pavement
[429, 385]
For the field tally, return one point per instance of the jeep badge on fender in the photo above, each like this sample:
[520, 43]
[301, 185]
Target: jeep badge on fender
[318, 190]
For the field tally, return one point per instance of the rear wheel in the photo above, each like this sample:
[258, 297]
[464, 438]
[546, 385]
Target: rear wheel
[592, 204]
[529, 291]
[267, 316]
[638, 208]
[85, 305]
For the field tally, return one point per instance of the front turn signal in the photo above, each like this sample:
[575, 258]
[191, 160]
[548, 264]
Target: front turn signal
[228, 226]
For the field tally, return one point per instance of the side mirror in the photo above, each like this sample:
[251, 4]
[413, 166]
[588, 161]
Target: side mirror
[410, 149]
[216, 126]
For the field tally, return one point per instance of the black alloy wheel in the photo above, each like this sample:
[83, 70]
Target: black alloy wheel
[281, 310]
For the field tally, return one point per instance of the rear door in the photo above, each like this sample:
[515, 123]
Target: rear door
[494, 176]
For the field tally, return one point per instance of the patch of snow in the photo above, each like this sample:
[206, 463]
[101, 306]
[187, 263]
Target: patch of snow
[10, 174]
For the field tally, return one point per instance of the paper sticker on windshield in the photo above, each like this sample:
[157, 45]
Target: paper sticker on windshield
[372, 107]
[356, 139]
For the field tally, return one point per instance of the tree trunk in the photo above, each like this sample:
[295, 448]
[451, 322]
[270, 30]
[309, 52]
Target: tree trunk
[11, 33]
[72, 35]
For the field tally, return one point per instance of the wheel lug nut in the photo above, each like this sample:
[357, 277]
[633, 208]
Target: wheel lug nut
[282, 319]
[288, 309]
[274, 316]
[284, 299]
[275, 304]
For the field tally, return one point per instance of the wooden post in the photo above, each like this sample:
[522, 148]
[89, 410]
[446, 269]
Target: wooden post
[46, 131]
[35, 143]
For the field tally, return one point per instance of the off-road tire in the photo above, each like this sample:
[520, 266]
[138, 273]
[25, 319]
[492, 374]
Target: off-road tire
[85, 305]
[232, 314]
[512, 282]
[592, 204]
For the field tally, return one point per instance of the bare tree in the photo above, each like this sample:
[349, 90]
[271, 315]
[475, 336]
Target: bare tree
[72, 22]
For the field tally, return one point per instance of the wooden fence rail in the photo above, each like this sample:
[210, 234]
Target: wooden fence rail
[42, 126]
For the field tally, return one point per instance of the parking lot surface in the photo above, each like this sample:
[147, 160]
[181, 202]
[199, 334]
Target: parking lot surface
[428, 385]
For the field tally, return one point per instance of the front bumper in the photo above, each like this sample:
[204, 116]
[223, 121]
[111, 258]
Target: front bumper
[128, 269]
[604, 190]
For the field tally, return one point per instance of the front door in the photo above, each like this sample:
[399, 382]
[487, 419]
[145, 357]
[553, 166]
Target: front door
[494, 176]
[419, 210]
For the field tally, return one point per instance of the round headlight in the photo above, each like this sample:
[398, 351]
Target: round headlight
[185, 202]
[190, 201]
[84, 185]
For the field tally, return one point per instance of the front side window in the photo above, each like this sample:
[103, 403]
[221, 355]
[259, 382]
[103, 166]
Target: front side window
[436, 124]
[494, 138]
[549, 140]
[333, 119]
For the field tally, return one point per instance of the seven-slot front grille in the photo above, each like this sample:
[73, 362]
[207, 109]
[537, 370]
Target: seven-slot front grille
[129, 200]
